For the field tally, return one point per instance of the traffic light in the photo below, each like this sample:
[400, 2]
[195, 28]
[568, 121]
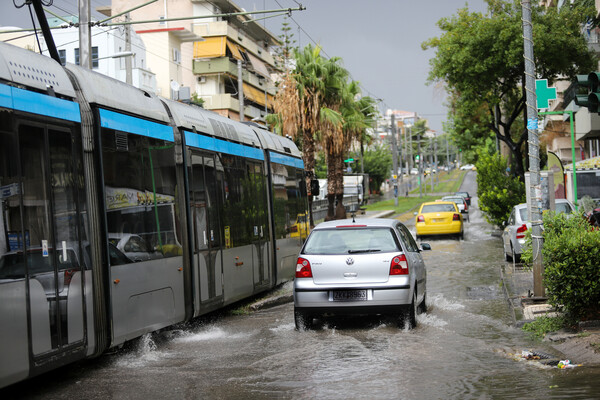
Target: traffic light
[588, 93]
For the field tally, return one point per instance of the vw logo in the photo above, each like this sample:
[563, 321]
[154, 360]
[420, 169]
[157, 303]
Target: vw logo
[349, 260]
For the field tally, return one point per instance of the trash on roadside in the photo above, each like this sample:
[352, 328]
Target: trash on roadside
[563, 364]
[528, 355]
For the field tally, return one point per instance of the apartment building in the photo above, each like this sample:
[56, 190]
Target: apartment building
[108, 50]
[208, 54]
[557, 129]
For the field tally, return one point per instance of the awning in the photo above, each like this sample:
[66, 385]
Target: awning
[258, 65]
[235, 52]
[256, 95]
[211, 47]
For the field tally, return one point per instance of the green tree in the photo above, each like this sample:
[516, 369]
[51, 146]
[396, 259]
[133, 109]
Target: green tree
[497, 190]
[480, 59]
[378, 163]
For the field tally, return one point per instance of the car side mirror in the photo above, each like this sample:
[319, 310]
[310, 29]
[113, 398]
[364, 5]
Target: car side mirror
[425, 246]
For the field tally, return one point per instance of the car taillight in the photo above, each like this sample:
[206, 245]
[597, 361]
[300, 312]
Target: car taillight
[456, 217]
[303, 268]
[399, 265]
[466, 206]
[420, 218]
[521, 231]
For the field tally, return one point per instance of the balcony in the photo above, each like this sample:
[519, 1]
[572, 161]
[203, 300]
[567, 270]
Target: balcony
[224, 65]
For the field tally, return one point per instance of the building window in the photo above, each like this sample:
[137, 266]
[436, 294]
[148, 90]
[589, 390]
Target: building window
[94, 56]
[62, 54]
[162, 22]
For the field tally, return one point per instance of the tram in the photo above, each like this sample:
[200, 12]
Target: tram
[123, 213]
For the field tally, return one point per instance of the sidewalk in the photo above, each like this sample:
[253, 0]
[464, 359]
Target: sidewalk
[581, 347]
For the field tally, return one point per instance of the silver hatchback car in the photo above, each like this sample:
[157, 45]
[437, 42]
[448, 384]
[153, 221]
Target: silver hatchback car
[358, 267]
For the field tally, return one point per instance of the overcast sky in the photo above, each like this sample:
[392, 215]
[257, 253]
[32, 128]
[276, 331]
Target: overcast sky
[379, 42]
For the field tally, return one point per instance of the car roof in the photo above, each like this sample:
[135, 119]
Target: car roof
[437, 202]
[361, 222]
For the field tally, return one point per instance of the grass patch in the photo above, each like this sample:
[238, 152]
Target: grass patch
[543, 325]
[448, 183]
[596, 347]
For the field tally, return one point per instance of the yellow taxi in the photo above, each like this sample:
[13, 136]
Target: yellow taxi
[439, 218]
[300, 227]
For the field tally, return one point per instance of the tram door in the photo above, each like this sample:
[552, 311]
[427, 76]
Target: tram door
[261, 233]
[205, 175]
[49, 239]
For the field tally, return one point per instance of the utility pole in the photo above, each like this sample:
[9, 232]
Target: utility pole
[394, 158]
[128, 77]
[435, 161]
[240, 89]
[85, 42]
[447, 154]
[420, 164]
[534, 150]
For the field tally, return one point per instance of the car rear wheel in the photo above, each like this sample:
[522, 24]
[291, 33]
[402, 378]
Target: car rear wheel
[507, 256]
[516, 257]
[408, 318]
[423, 305]
[302, 320]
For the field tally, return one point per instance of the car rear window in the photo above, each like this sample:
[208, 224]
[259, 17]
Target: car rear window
[350, 241]
[430, 208]
[563, 208]
[524, 214]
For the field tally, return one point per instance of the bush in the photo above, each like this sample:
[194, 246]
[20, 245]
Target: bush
[571, 257]
[497, 190]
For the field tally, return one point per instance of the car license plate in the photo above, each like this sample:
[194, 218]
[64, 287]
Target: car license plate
[349, 295]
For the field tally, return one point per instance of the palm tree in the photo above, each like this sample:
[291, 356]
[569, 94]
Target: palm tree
[356, 118]
[300, 105]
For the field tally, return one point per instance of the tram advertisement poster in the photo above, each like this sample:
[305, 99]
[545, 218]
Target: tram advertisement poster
[117, 198]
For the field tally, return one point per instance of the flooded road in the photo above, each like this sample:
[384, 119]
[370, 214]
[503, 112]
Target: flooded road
[462, 348]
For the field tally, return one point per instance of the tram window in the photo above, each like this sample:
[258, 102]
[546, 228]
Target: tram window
[289, 205]
[143, 221]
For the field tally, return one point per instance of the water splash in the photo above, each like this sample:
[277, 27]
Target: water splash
[439, 301]
[144, 353]
[212, 333]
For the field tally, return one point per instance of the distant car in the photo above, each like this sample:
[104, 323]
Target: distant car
[467, 167]
[466, 195]
[439, 218]
[363, 267]
[414, 171]
[513, 235]
[461, 203]
[133, 246]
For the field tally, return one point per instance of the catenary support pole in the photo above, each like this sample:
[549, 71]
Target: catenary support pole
[534, 150]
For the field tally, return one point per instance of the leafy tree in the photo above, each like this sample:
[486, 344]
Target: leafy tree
[498, 192]
[480, 60]
[378, 163]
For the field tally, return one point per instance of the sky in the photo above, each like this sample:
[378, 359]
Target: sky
[379, 42]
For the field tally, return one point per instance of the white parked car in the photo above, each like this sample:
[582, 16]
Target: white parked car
[513, 236]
